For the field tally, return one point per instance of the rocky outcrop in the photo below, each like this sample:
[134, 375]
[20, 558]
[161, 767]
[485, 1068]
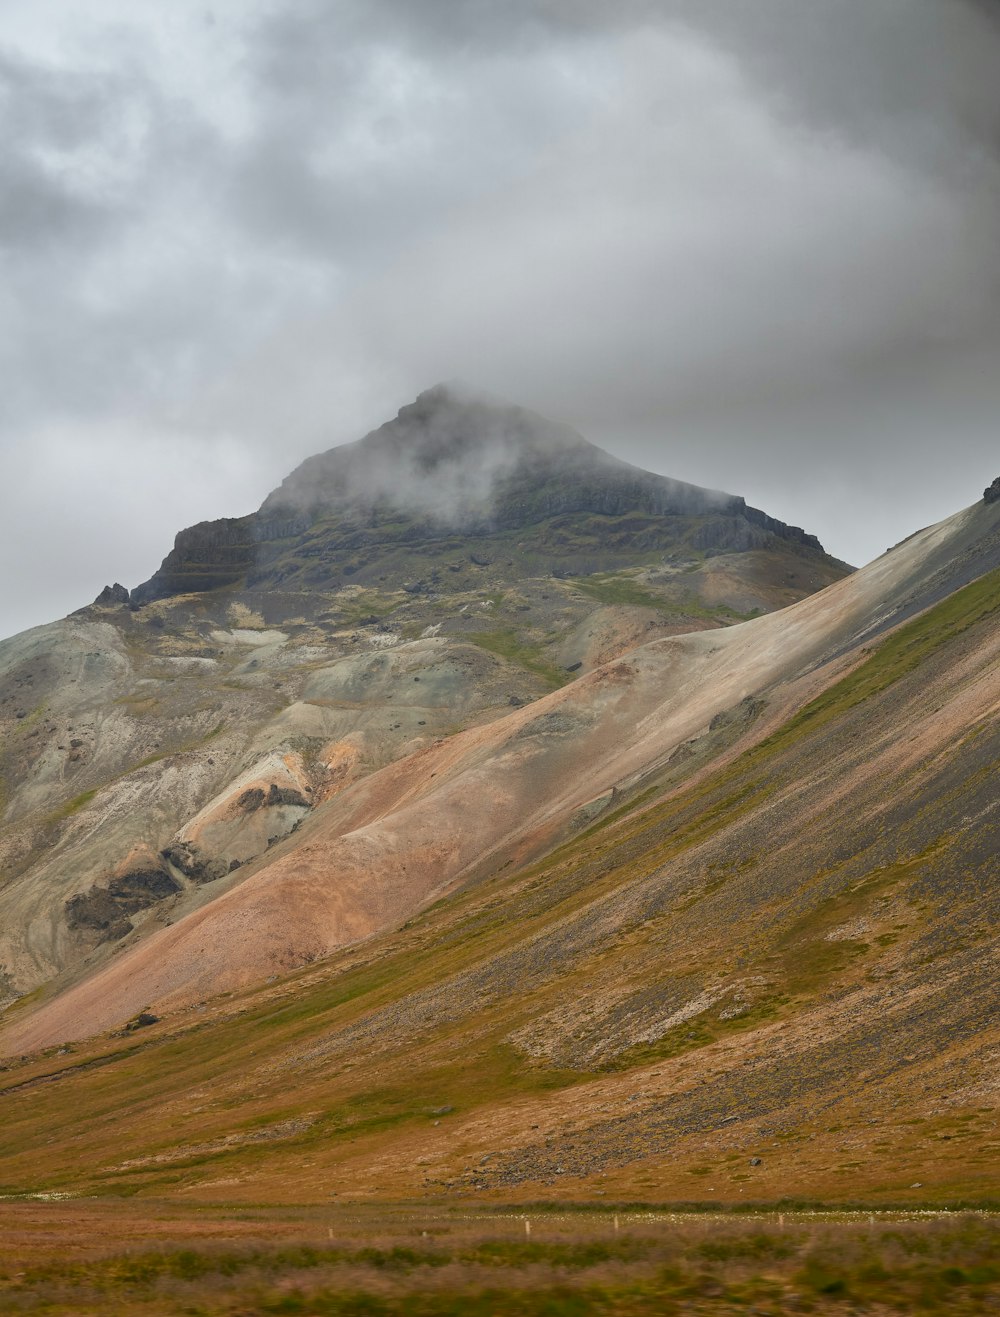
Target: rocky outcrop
[111, 596]
[106, 910]
[748, 709]
[204, 557]
[258, 798]
[194, 864]
[992, 493]
[258, 808]
[234, 829]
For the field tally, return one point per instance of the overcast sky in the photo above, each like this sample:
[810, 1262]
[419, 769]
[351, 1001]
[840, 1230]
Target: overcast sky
[748, 243]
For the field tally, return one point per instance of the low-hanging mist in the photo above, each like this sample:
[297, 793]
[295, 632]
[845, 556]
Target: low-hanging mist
[751, 248]
[451, 456]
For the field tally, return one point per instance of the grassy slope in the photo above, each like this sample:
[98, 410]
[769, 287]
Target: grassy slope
[825, 900]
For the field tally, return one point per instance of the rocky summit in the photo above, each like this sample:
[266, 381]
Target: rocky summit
[457, 484]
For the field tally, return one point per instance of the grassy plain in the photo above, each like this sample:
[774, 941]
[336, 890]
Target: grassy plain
[408, 1261]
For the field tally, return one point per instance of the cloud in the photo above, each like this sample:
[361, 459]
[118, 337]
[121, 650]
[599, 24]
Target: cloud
[47, 194]
[681, 253]
[912, 77]
[754, 247]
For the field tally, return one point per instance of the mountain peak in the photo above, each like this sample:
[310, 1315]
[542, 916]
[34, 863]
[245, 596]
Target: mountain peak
[474, 418]
[443, 455]
[455, 465]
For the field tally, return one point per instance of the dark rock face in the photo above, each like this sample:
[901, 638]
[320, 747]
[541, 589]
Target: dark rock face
[106, 910]
[193, 864]
[454, 466]
[98, 911]
[142, 1021]
[257, 798]
[992, 493]
[204, 557]
[111, 595]
[142, 888]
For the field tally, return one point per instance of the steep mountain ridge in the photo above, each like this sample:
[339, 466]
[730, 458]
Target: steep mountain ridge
[508, 791]
[759, 967]
[153, 749]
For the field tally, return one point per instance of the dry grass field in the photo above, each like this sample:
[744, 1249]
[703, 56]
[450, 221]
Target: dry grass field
[98, 1258]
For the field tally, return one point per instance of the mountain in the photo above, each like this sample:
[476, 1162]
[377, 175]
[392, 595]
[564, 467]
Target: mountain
[715, 921]
[536, 497]
[457, 564]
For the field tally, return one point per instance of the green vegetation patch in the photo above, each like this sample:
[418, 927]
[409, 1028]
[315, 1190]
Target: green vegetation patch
[608, 589]
[509, 644]
[73, 806]
[697, 1032]
[359, 608]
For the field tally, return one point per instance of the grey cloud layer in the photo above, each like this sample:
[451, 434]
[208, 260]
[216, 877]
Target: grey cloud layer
[751, 246]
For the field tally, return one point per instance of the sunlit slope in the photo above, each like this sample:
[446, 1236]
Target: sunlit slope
[790, 957]
[497, 796]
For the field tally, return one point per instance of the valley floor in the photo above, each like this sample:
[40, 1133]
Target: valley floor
[98, 1256]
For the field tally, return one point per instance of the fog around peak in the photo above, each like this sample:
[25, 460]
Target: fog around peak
[753, 247]
[442, 455]
[448, 456]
